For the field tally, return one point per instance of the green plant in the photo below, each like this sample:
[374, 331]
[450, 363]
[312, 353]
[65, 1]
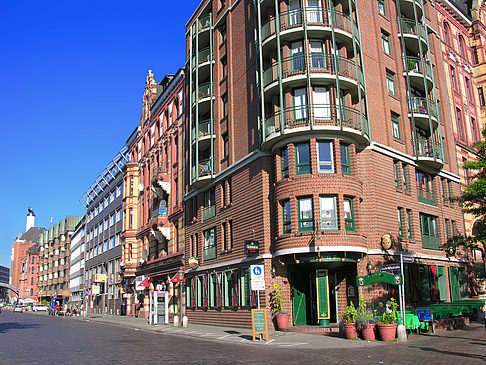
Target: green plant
[390, 314]
[364, 316]
[350, 313]
[277, 300]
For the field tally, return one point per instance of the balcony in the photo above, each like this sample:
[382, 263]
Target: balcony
[201, 172]
[160, 212]
[429, 153]
[203, 134]
[412, 32]
[209, 212]
[407, 8]
[422, 109]
[342, 120]
[319, 23]
[161, 179]
[430, 242]
[426, 196]
[204, 59]
[323, 67]
[419, 70]
[209, 253]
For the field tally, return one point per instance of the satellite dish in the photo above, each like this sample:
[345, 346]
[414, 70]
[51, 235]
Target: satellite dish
[144, 254]
[140, 187]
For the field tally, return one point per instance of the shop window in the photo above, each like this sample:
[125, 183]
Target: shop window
[349, 214]
[306, 215]
[325, 163]
[302, 159]
[287, 221]
[328, 216]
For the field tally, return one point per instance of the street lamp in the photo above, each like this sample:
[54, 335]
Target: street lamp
[180, 275]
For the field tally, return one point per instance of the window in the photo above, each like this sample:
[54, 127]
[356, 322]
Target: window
[224, 137]
[284, 162]
[390, 82]
[317, 55]
[453, 78]
[381, 7]
[453, 228]
[130, 219]
[306, 215]
[409, 223]
[210, 244]
[459, 123]
[425, 188]
[481, 97]
[112, 219]
[475, 56]
[447, 228]
[385, 41]
[444, 191]
[404, 177]
[466, 172]
[395, 126]
[462, 46]
[395, 173]
[428, 227]
[447, 34]
[345, 162]
[302, 158]
[224, 67]
[300, 105]
[321, 103]
[224, 102]
[468, 89]
[222, 31]
[287, 221]
[400, 222]
[474, 130]
[324, 157]
[118, 215]
[349, 214]
[328, 216]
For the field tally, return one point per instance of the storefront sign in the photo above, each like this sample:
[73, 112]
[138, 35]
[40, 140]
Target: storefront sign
[95, 289]
[257, 277]
[379, 277]
[141, 282]
[386, 241]
[193, 262]
[251, 247]
[408, 259]
[99, 278]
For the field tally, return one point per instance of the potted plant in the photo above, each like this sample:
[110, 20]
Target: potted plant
[349, 321]
[277, 301]
[365, 320]
[387, 325]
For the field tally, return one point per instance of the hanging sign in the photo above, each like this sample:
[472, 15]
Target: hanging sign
[193, 262]
[251, 247]
[379, 277]
[386, 241]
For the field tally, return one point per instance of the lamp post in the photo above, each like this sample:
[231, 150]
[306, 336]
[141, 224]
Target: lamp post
[180, 276]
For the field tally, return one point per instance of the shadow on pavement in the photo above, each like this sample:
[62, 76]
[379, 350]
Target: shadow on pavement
[453, 353]
[5, 327]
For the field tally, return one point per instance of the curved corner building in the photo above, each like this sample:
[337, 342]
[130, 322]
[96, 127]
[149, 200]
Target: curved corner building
[314, 128]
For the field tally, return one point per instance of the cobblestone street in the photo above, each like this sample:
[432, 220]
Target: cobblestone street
[29, 338]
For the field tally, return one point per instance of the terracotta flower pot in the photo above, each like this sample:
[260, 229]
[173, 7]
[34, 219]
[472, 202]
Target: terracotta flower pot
[282, 320]
[388, 332]
[369, 332]
[350, 330]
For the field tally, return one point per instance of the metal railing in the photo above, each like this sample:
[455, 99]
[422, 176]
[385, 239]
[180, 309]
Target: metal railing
[426, 196]
[209, 212]
[316, 63]
[419, 106]
[428, 148]
[410, 26]
[415, 65]
[204, 22]
[430, 242]
[204, 55]
[209, 253]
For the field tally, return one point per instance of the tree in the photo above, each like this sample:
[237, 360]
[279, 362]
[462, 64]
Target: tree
[473, 200]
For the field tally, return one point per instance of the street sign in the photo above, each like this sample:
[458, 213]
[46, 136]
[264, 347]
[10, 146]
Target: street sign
[390, 268]
[408, 259]
[257, 277]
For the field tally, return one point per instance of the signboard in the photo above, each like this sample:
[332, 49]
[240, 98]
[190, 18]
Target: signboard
[379, 277]
[390, 268]
[386, 241]
[424, 314]
[257, 276]
[193, 262]
[259, 322]
[251, 247]
[95, 289]
[322, 286]
[99, 278]
[139, 283]
[408, 259]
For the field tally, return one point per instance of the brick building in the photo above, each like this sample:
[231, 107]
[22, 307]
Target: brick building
[315, 129]
[154, 235]
[29, 273]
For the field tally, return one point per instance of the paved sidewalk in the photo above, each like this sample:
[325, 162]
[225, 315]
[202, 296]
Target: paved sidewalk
[234, 335]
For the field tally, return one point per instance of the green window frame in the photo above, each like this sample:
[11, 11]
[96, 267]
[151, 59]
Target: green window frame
[284, 162]
[400, 223]
[381, 7]
[447, 228]
[328, 213]
[306, 214]
[286, 215]
[430, 235]
[349, 214]
[345, 161]
[395, 172]
[405, 177]
[453, 228]
[409, 223]
[395, 119]
[444, 191]
[385, 41]
[390, 83]
[302, 159]
[325, 158]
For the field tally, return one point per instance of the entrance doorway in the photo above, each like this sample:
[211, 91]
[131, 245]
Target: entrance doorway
[313, 296]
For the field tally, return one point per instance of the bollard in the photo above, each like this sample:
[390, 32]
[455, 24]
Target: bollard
[401, 332]
[176, 321]
[184, 321]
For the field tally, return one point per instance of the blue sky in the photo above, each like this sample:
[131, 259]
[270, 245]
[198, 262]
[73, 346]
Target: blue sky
[72, 76]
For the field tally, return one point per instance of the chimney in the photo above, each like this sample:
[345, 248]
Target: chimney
[30, 220]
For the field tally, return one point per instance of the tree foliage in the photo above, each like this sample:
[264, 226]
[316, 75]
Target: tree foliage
[473, 200]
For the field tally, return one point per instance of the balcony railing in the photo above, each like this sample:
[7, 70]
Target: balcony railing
[209, 253]
[317, 63]
[203, 91]
[204, 167]
[320, 114]
[415, 65]
[204, 22]
[426, 196]
[209, 212]
[430, 242]
[312, 16]
[410, 26]
[204, 55]
[419, 106]
[429, 148]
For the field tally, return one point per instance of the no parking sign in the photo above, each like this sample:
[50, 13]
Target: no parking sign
[257, 277]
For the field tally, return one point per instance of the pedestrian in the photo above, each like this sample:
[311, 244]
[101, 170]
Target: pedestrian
[484, 314]
[56, 309]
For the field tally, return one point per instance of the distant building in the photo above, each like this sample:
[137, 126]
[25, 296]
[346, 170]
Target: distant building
[29, 273]
[4, 278]
[76, 267]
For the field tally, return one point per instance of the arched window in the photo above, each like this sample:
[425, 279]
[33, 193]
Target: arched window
[462, 46]
[447, 33]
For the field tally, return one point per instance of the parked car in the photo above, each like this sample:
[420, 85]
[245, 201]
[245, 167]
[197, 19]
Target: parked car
[40, 307]
[18, 308]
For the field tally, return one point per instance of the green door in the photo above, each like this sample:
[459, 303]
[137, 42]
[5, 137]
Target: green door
[322, 289]
[299, 300]
[454, 283]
